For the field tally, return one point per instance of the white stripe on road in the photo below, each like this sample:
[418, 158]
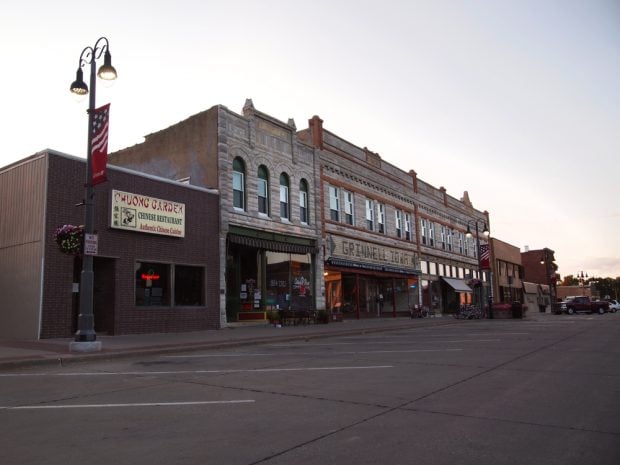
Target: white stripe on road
[293, 354]
[148, 404]
[381, 342]
[191, 372]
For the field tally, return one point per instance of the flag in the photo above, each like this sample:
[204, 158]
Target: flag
[99, 144]
[485, 257]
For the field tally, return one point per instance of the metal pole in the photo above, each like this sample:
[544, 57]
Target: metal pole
[86, 320]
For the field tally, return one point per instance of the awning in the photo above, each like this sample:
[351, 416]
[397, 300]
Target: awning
[530, 288]
[274, 246]
[457, 284]
[342, 262]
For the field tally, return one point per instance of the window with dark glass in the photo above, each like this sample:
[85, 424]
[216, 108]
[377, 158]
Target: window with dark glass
[303, 202]
[188, 285]
[284, 197]
[239, 183]
[152, 284]
[263, 190]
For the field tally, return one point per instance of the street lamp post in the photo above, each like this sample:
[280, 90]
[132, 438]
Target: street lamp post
[85, 337]
[547, 261]
[485, 232]
[581, 278]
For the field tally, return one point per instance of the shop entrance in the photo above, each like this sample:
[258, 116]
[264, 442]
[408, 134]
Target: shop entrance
[370, 296]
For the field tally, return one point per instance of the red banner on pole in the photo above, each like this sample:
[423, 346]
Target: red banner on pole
[99, 145]
[485, 257]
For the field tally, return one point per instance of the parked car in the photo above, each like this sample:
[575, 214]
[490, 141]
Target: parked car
[614, 306]
[584, 304]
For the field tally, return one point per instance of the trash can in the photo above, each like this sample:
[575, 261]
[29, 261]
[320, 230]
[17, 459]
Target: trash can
[517, 310]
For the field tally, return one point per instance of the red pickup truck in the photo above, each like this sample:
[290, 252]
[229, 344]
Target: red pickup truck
[584, 304]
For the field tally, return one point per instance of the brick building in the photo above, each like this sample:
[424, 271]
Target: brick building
[390, 240]
[155, 275]
[507, 272]
[539, 267]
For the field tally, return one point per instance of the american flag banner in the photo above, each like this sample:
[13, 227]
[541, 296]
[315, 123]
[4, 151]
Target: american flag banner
[99, 147]
[485, 257]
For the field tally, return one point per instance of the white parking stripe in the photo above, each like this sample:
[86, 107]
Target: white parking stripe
[147, 404]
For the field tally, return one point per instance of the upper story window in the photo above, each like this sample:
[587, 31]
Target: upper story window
[370, 215]
[461, 243]
[449, 239]
[381, 218]
[398, 216]
[424, 230]
[334, 203]
[239, 183]
[349, 208]
[263, 190]
[285, 212]
[407, 226]
[303, 202]
[431, 234]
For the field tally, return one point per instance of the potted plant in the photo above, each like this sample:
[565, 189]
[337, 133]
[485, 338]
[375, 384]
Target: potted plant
[69, 239]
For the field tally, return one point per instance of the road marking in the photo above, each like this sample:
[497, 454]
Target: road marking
[293, 354]
[191, 372]
[146, 404]
[382, 342]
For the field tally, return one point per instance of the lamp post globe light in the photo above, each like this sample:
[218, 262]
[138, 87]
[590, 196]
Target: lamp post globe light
[486, 233]
[581, 278]
[85, 337]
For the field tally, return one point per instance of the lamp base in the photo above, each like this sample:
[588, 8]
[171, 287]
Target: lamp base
[85, 346]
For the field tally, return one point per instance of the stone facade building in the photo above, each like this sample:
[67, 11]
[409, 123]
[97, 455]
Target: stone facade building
[268, 221]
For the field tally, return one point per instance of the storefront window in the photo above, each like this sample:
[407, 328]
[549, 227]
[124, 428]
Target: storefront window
[188, 285]
[152, 284]
[289, 280]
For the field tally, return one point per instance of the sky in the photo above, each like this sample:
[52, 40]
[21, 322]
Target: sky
[515, 101]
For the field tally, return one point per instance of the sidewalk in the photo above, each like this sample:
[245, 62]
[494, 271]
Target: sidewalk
[20, 353]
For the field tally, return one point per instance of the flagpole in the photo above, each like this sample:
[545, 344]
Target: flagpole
[85, 337]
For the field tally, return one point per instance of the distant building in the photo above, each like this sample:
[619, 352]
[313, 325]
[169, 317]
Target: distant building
[507, 272]
[539, 267]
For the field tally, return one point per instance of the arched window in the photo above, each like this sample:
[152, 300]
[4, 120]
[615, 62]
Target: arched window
[239, 183]
[303, 202]
[284, 197]
[263, 190]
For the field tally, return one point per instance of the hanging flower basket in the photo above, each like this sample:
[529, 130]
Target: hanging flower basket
[474, 283]
[69, 239]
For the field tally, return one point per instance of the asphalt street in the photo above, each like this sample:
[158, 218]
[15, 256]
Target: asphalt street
[474, 392]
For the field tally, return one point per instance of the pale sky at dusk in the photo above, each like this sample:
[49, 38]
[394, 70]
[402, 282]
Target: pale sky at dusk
[516, 101]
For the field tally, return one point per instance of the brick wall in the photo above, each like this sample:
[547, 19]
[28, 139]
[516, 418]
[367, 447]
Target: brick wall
[124, 248]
